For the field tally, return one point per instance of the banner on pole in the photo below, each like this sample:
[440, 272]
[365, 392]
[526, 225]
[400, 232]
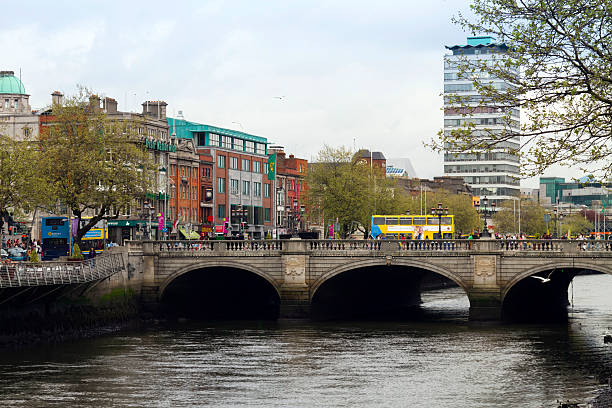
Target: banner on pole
[272, 166]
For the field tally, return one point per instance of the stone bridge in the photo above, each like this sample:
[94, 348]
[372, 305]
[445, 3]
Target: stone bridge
[307, 276]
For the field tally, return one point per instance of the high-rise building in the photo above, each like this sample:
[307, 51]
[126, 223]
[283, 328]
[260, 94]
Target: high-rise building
[495, 172]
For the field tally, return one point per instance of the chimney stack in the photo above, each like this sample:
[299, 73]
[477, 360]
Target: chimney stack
[110, 105]
[57, 98]
[94, 103]
[154, 109]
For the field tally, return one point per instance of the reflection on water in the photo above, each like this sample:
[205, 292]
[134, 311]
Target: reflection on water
[439, 361]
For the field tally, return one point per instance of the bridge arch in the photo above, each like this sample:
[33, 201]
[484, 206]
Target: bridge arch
[207, 263]
[570, 264]
[382, 262]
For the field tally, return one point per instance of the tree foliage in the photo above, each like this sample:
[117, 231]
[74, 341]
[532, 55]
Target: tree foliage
[93, 164]
[575, 224]
[559, 65]
[20, 183]
[467, 219]
[343, 188]
[506, 219]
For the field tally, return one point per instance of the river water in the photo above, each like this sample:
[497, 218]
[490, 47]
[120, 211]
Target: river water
[439, 361]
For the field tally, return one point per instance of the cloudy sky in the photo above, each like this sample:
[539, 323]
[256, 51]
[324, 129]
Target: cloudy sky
[300, 73]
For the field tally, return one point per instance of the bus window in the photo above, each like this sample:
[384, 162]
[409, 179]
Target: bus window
[447, 221]
[432, 221]
[378, 220]
[405, 221]
[409, 236]
[392, 221]
[418, 221]
[447, 235]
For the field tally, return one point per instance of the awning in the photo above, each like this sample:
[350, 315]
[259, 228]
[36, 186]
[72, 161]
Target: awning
[192, 235]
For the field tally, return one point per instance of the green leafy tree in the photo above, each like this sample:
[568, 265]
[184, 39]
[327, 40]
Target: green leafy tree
[506, 218]
[575, 224]
[559, 69]
[459, 205]
[92, 164]
[341, 187]
[20, 181]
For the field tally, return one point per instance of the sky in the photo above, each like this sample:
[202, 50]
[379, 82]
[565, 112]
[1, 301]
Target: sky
[303, 74]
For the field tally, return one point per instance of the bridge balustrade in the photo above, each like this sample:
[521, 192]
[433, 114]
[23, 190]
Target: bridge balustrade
[544, 245]
[60, 273]
[487, 245]
[230, 245]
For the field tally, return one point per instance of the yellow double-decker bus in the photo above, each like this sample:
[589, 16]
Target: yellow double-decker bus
[412, 226]
[95, 238]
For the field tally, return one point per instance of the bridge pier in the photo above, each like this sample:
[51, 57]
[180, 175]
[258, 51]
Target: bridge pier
[485, 305]
[485, 295]
[294, 292]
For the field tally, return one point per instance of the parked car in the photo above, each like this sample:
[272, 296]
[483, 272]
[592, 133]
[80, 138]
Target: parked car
[3, 253]
[17, 254]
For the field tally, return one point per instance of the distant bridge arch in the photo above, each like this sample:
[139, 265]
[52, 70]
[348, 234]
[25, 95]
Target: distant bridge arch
[203, 264]
[374, 262]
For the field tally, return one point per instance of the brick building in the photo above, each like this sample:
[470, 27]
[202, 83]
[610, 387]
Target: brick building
[241, 191]
[290, 189]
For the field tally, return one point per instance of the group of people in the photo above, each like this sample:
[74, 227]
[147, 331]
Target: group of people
[27, 246]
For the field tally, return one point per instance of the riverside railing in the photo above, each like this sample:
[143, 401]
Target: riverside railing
[60, 273]
[336, 245]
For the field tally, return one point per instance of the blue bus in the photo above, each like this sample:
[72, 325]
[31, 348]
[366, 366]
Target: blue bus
[54, 237]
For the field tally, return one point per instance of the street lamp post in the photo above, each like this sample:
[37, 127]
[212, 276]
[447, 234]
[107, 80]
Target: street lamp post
[439, 211]
[486, 211]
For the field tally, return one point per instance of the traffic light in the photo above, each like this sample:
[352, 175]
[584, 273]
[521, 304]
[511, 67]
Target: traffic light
[10, 230]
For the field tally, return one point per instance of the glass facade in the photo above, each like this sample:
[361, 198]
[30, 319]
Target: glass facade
[494, 173]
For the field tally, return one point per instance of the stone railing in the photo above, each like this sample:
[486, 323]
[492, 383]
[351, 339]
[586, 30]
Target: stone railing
[403, 246]
[60, 273]
[561, 245]
[208, 246]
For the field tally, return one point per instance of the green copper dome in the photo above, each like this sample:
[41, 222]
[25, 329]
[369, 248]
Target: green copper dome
[10, 84]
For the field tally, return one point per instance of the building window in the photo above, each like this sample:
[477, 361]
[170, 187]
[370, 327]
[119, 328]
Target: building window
[239, 145]
[245, 165]
[265, 167]
[256, 189]
[267, 190]
[246, 187]
[234, 187]
[226, 142]
[194, 172]
[194, 193]
[6, 104]
[266, 215]
[249, 146]
[16, 103]
[260, 148]
[182, 171]
[173, 169]
[221, 162]
[221, 211]
[201, 139]
[233, 163]
[183, 192]
[221, 185]
[213, 139]
[172, 191]
[257, 167]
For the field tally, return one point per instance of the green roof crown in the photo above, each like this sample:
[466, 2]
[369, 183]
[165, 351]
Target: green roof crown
[10, 84]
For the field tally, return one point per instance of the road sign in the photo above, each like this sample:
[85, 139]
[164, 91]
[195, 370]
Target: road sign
[546, 217]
